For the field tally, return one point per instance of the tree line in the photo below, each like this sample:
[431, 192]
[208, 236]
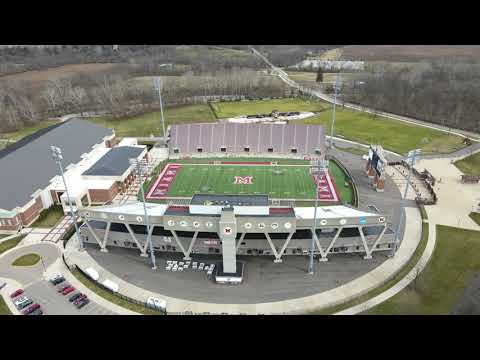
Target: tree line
[443, 92]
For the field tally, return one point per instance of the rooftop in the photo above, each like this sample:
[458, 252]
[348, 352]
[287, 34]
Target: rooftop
[115, 162]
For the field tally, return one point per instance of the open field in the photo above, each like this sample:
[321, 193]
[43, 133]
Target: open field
[412, 53]
[294, 182]
[392, 135]
[310, 78]
[470, 165]
[49, 217]
[236, 108]
[37, 78]
[146, 124]
[4, 310]
[214, 51]
[27, 260]
[17, 135]
[442, 283]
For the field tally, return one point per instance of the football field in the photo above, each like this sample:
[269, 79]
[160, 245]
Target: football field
[282, 182]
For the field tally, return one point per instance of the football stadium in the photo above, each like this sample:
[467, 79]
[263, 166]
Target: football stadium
[232, 190]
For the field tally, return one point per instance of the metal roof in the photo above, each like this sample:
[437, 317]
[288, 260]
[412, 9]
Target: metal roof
[115, 162]
[30, 167]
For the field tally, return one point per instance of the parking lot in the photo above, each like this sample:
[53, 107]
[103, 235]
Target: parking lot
[53, 303]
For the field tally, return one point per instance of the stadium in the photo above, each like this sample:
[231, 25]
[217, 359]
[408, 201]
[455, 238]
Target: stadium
[232, 191]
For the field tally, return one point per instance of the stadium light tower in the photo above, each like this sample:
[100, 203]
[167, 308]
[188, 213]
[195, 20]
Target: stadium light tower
[336, 89]
[411, 159]
[317, 168]
[141, 171]
[157, 84]
[58, 157]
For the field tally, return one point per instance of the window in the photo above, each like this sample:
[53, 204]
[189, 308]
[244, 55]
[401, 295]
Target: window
[199, 150]
[249, 251]
[223, 149]
[243, 243]
[270, 149]
[246, 149]
[217, 251]
[115, 242]
[318, 152]
[260, 252]
[378, 246]
[294, 150]
[134, 245]
[357, 248]
[176, 151]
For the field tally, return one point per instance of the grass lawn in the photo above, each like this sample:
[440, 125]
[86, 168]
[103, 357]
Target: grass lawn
[147, 124]
[353, 150]
[236, 108]
[293, 182]
[7, 245]
[4, 310]
[27, 260]
[392, 135]
[17, 135]
[112, 297]
[441, 284]
[49, 217]
[470, 165]
[475, 217]
[400, 275]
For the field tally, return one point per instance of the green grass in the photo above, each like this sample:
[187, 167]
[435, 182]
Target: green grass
[8, 244]
[4, 310]
[400, 275]
[236, 108]
[112, 297]
[147, 124]
[17, 135]
[3, 236]
[27, 260]
[453, 264]
[294, 181]
[470, 165]
[475, 217]
[49, 217]
[353, 150]
[392, 135]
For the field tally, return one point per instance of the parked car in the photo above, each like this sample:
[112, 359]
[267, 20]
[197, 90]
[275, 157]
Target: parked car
[31, 309]
[58, 281]
[24, 304]
[80, 299]
[2, 285]
[36, 312]
[180, 268]
[82, 303]
[20, 300]
[74, 297]
[62, 287]
[68, 290]
[16, 293]
[56, 277]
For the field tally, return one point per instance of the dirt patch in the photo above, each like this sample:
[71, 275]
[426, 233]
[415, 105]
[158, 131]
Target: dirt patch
[38, 77]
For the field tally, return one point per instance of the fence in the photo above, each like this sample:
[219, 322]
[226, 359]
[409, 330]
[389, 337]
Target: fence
[121, 296]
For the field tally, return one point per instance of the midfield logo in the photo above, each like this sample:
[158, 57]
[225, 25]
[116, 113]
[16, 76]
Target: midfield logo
[244, 180]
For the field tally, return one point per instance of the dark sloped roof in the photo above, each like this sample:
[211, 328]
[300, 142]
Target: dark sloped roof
[115, 162]
[27, 166]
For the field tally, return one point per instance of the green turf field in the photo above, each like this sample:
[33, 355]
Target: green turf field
[293, 182]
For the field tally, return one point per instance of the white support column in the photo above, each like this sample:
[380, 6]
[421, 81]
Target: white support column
[240, 241]
[324, 256]
[132, 235]
[150, 231]
[282, 250]
[187, 256]
[273, 248]
[94, 234]
[105, 238]
[367, 253]
[179, 243]
[377, 240]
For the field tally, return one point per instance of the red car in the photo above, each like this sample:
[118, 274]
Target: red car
[62, 288]
[16, 293]
[31, 309]
[68, 290]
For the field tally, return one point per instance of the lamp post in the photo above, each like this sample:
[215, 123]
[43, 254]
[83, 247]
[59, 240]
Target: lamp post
[317, 168]
[57, 156]
[157, 84]
[336, 89]
[411, 159]
[140, 169]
